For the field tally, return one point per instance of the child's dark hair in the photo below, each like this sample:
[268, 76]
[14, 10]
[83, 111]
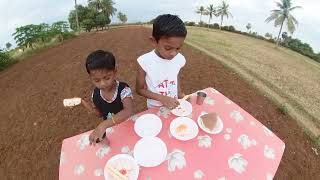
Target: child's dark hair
[168, 25]
[100, 60]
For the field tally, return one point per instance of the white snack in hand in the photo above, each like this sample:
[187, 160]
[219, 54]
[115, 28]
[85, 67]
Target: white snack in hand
[71, 102]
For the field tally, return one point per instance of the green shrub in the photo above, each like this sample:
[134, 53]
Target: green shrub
[216, 26]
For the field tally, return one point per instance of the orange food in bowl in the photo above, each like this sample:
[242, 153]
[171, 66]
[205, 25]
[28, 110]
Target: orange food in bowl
[181, 128]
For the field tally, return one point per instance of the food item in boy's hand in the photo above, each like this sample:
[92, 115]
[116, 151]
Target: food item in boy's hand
[209, 120]
[71, 102]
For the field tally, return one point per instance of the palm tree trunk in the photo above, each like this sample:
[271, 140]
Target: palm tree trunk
[209, 22]
[221, 22]
[200, 16]
[77, 18]
[278, 39]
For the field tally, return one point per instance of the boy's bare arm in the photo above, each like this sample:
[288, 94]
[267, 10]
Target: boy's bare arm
[117, 119]
[141, 88]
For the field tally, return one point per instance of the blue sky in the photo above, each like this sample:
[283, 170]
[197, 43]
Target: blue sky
[15, 13]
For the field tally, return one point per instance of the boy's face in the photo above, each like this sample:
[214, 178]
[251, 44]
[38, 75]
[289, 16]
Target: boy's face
[167, 47]
[103, 78]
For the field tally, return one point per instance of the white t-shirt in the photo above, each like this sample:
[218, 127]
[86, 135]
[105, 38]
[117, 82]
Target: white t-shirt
[161, 75]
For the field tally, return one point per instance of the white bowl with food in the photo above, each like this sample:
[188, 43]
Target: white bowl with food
[184, 128]
[211, 126]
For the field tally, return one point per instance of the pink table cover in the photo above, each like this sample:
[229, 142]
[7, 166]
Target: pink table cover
[245, 149]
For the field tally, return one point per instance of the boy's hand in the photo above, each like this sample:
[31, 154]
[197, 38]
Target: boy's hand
[97, 135]
[181, 95]
[169, 102]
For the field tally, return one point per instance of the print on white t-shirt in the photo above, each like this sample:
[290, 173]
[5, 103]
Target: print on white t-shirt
[161, 74]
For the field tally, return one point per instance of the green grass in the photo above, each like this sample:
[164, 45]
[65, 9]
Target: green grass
[292, 80]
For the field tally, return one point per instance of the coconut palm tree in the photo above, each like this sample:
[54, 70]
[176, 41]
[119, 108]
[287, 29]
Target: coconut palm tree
[211, 11]
[223, 11]
[282, 15]
[201, 10]
[105, 6]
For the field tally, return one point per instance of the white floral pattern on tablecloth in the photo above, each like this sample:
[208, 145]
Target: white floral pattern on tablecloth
[227, 101]
[209, 101]
[246, 142]
[134, 118]
[269, 152]
[79, 169]
[109, 130]
[269, 176]
[214, 91]
[267, 131]
[62, 158]
[126, 150]
[227, 137]
[229, 130]
[98, 172]
[83, 142]
[198, 174]
[238, 163]
[164, 112]
[236, 115]
[204, 141]
[103, 151]
[176, 160]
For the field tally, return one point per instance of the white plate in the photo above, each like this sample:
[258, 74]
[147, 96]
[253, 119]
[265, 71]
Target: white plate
[122, 161]
[184, 109]
[150, 151]
[148, 125]
[191, 131]
[216, 130]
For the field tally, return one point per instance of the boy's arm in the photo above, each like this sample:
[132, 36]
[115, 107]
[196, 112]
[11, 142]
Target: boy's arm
[141, 88]
[117, 119]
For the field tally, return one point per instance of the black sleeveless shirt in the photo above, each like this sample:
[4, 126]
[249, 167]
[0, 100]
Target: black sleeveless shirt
[109, 109]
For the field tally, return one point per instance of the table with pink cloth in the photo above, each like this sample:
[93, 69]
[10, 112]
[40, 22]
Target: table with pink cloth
[245, 149]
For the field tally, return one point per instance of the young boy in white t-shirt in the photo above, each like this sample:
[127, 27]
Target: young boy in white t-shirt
[158, 74]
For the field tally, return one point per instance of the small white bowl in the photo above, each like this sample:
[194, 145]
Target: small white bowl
[216, 130]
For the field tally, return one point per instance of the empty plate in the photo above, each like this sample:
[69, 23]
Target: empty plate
[184, 109]
[184, 129]
[150, 151]
[148, 125]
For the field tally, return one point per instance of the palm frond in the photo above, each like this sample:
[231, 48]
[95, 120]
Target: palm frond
[296, 7]
[278, 21]
[272, 17]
